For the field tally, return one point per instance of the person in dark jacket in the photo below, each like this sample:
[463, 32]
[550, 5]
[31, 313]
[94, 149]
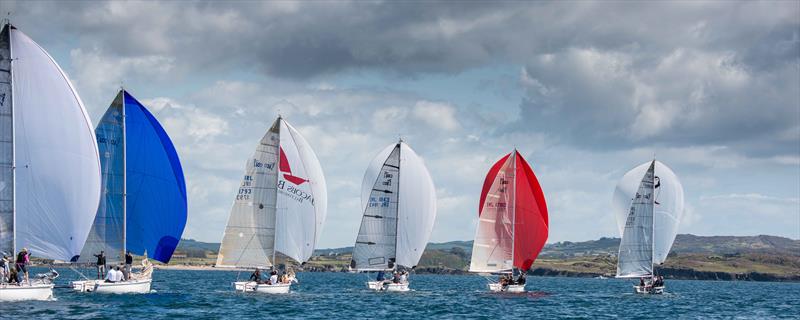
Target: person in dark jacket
[256, 276]
[101, 265]
[23, 258]
[128, 263]
[521, 279]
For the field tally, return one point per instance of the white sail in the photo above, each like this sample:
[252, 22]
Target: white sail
[376, 243]
[493, 248]
[302, 196]
[416, 206]
[57, 164]
[669, 204]
[249, 238]
[636, 246]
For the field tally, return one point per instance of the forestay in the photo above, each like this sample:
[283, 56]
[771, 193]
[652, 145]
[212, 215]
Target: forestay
[636, 247]
[57, 183]
[668, 205]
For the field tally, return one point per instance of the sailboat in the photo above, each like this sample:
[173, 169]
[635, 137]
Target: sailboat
[512, 223]
[280, 207]
[143, 206]
[648, 206]
[398, 201]
[49, 165]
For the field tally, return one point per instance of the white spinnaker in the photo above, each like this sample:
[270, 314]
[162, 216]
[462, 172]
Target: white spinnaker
[57, 162]
[302, 197]
[494, 239]
[668, 209]
[416, 207]
[249, 238]
[636, 246]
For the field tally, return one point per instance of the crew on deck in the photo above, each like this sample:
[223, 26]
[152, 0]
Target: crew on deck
[101, 264]
[114, 275]
[273, 277]
[23, 259]
[256, 276]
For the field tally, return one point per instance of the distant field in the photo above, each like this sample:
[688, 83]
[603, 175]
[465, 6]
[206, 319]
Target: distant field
[692, 257]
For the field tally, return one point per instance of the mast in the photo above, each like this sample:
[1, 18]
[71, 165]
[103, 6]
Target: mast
[653, 218]
[124, 179]
[397, 207]
[278, 169]
[13, 144]
[513, 207]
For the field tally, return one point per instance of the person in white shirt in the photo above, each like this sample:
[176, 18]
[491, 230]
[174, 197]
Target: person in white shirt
[121, 275]
[111, 276]
[273, 278]
[115, 275]
[404, 277]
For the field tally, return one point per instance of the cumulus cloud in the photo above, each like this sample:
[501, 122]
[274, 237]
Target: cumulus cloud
[711, 88]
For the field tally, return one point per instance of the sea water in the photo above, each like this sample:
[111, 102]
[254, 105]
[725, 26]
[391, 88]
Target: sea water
[181, 294]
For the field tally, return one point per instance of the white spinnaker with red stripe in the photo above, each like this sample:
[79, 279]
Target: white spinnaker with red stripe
[302, 196]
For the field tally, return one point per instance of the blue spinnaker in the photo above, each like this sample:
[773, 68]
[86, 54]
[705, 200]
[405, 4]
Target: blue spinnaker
[156, 190]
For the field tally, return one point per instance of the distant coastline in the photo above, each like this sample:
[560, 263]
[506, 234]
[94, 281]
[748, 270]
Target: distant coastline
[726, 258]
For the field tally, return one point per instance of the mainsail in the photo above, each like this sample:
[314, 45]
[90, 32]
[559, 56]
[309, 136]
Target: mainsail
[398, 201]
[281, 203]
[44, 207]
[636, 247]
[144, 204]
[512, 221]
[668, 204]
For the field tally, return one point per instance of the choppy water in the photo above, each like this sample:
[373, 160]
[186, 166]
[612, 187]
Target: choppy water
[208, 294]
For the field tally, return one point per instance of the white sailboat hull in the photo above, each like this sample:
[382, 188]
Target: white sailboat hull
[648, 289]
[392, 287]
[513, 288]
[122, 287]
[251, 286]
[10, 292]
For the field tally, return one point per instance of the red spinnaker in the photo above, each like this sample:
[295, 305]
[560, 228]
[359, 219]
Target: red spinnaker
[530, 209]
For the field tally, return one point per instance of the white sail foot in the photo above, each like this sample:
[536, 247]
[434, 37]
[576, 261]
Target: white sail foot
[387, 286]
[11, 292]
[122, 287]
[512, 288]
[252, 286]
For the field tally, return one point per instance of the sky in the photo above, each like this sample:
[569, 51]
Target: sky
[584, 90]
